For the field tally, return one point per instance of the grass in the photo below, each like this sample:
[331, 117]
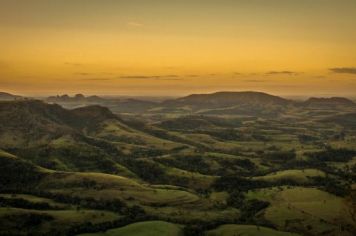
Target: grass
[116, 129]
[315, 202]
[148, 228]
[219, 197]
[308, 209]
[264, 194]
[246, 230]
[35, 199]
[11, 219]
[299, 176]
[110, 187]
[196, 180]
[196, 212]
[5, 154]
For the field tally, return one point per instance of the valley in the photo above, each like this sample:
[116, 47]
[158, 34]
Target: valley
[227, 163]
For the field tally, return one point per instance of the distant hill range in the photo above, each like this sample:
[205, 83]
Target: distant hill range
[75, 98]
[248, 103]
[8, 96]
[333, 101]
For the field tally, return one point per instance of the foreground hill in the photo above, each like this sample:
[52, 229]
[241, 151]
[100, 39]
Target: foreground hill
[31, 122]
[61, 139]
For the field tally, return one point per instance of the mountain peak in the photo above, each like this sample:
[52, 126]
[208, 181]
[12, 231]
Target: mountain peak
[227, 98]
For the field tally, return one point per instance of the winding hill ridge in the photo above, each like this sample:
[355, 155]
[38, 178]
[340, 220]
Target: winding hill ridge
[56, 138]
[33, 121]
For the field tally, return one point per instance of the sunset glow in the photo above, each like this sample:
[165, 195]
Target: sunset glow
[158, 47]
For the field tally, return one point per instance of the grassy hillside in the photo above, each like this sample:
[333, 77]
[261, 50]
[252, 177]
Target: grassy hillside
[309, 210]
[45, 222]
[246, 230]
[298, 176]
[149, 228]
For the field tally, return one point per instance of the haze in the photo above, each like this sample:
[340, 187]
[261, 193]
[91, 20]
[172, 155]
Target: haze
[161, 48]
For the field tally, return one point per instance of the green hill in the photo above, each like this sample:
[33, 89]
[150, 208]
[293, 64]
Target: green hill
[246, 230]
[149, 228]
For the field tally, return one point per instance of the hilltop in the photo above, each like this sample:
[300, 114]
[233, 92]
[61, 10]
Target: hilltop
[227, 99]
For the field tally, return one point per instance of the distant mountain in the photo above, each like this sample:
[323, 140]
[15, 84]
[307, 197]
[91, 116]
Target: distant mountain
[7, 96]
[228, 99]
[76, 98]
[333, 101]
[233, 103]
[229, 103]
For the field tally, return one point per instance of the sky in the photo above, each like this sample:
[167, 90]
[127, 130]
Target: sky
[174, 48]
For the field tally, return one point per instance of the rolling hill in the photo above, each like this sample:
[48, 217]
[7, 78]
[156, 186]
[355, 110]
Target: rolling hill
[227, 99]
[218, 164]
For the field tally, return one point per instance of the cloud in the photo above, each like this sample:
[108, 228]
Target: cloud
[151, 77]
[83, 73]
[135, 24]
[344, 70]
[319, 77]
[285, 72]
[72, 64]
[97, 79]
[93, 74]
[254, 81]
[3, 64]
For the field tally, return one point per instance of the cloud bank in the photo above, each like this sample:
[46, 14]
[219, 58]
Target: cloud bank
[344, 70]
[285, 72]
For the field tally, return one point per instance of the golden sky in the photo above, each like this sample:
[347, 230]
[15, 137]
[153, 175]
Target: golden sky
[177, 47]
